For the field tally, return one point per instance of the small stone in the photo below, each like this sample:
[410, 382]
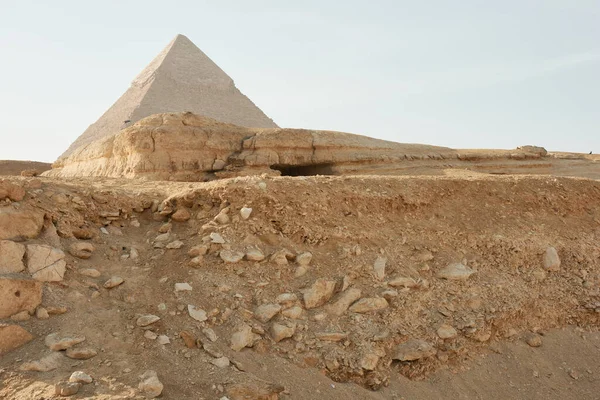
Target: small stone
[181, 287]
[188, 338]
[218, 165]
[300, 271]
[243, 337]
[286, 299]
[340, 306]
[41, 313]
[20, 316]
[66, 388]
[197, 261]
[56, 342]
[181, 215]
[222, 218]
[147, 319]
[293, 312]
[403, 282]
[165, 228]
[197, 313]
[113, 282]
[533, 339]
[281, 257]
[216, 238]
[304, 259]
[446, 331]
[150, 335]
[413, 349]
[45, 364]
[177, 244]
[80, 377]
[90, 272]
[456, 272]
[198, 250]
[379, 268]
[46, 263]
[56, 310]
[150, 384]
[104, 231]
[210, 334]
[221, 362]
[369, 361]
[551, 260]
[231, 256]
[281, 331]
[82, 250]
[367, 305]
[319, 293]
[254, 254]
[81, 353]
[265, 312]
[163, 339]
[245, 212]
[162, 237]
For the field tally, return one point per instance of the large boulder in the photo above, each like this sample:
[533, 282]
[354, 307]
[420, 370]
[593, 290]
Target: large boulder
[20, 223]
[11, 257]
[11, 191]
[45, 263]
[18, 295]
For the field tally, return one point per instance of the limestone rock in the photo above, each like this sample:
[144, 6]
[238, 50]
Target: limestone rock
[222, 218]
[66, 388]
[216, 238]
[11, 257]
[181, 215]
[265, 312]
[243, 337]
[47, 363]
[150, 384]
[45, 263]
[57, 342]
[17, 295]
[197, 313]
[379, 268]
[293, 312]
[221, 362]
[90, 272]
[198, 250]
[254, 254]
[231, 256]
[286, 299]
[163, 339]
[369, 361]
[80, 377]
[113, 282]
[403, 282]
[319, 293]
[177, 244]
[413, 349]
[182, 287]
[210, 334]
[456, 272]
[369, 304]
[245, 212]
[81, 353]
[533, 339]
[11, 191]
[12, 337]
[147, 319]
[551, 260]
[281, 257]
[81, 250]
[304, 259]
[20, 223]
[446, 331]
[281, 331]
[340, 306]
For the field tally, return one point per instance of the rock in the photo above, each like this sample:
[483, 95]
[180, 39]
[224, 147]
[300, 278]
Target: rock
[210, 334]
[147, 319]
[300, 271]
[90, 272]
[47, 363]
[12, 337]
[293, 312]
[446, 331]
[181, 215]
[280, 331]
[164, 237]
[150, 384]
[369, 304]
[221, 362]
[331, 336]
[281, 257]
[319, 293]
[456, 272]
[17, 295]
[389, 295]
[177, 244]
[254, 391]
[81, 353]
[216, 238]
[80, 377]
[340, 306]
[11, 191]
[11, 257]
[45, 263]
[198, 250]
[379, 268]
[81, 250]
[21, 223]
[113, 282]
[197, 313]
[403, 282]
[286, 299]
[150, 335]
[21, 316]
[66, 388]
[180, 287]
[243, 337]
[265, 312]
[222, 218]
[188, 338]
[41, 313]
[245, 212]
[413, 349]
[304, 259]
[551, 260]
[163, 339]
[231, 256]
[533, 339]
[369, 361]
[58, 342]
[254, 254]
[56, 310]
[218, 165]
[196, 261]
[82, 233]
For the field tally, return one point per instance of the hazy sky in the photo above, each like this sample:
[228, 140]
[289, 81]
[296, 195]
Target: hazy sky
[464, 74]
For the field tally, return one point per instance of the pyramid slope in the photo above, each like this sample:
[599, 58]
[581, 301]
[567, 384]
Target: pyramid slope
[181, 78]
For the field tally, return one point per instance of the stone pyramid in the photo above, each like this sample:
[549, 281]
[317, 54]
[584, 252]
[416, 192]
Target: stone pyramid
[181, 78]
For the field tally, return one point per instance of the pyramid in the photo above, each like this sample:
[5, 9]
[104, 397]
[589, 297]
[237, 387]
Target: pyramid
[181, 78]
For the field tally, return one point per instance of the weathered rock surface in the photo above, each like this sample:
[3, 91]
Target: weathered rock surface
[80, 377]
[82, 250]
[11, 257]
[150, 385]
[57, 342]
[265, 312]
[551, 260]
[369, 304]
[12, 337]
[66, 388]
[17, 295]
[45, 263]
[455, 272]
[243, 337]
[344, 301]
[9, 190]
[414, 349]
[21, 223]
[319, 293]
[47, 363]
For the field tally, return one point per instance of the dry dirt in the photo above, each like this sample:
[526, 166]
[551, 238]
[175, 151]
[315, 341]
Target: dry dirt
[498, 227]
[14, 167]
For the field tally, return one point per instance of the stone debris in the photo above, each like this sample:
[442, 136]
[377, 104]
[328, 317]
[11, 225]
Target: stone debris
[20, 223]
[197, 313]
[66, 388]
[210, 334]
[78, 353]
[198, 250]
[222, 217]
[379, 268]
[281, 331]
[11, 257]
[319, 293]
[254, 254]
[533, 339]
[47, 363]
[113, 282]
[369, 362]
[551, 260]
[182, 287]
[413, 349]
[46, 263]
[150, 335]
[82, 250]
[243, 337]
[281, 257]
[12, 337]
[369, 304]
[150, 384]
[295, 312]
[221, 362]
[216, 238]
[265, 312]
[245, 212]
[181, 215]
[177, 244]
[403, 282]
[58, 342]
[456, 272]
[188, 338]
[304, 259]
[163, 339]
[146, 320]
[90, 272]
[341, 305]
[80, 377]
[231, 256]
[9, 190]
[446, 331]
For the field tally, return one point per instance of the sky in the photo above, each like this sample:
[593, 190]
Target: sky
[462, 74]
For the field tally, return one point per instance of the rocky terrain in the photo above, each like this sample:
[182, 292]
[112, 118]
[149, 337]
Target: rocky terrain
[462, 285]
[27, 168]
